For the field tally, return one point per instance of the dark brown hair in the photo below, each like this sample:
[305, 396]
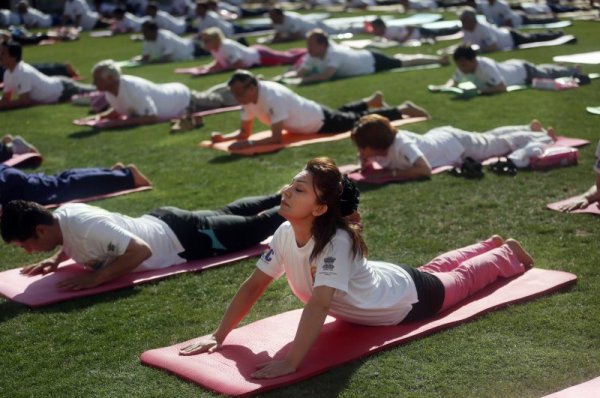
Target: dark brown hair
[328, 184]
[373, 131]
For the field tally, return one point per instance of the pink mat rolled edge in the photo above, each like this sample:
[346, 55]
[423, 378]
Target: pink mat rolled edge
[593, 208]
[589, 389]
[40, 290]
[228, 370]
[24, 158]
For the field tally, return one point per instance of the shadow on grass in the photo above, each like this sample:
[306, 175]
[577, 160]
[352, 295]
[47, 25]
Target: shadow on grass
[87, 133]
[11, 309]
[374, 187]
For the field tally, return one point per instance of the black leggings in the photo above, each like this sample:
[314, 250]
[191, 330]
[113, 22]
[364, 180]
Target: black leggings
[343, 119]
[524, 38]
[239, 225]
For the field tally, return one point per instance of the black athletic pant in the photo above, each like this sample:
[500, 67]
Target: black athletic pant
[346, 116]
[524, 38]
[239, 225]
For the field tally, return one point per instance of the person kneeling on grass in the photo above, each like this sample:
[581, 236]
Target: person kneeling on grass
[280, 108]
[71, 184]
[592, 195]
[145, 102]
[406, 155]
[491, 77]
[322, 252]
[112, 244]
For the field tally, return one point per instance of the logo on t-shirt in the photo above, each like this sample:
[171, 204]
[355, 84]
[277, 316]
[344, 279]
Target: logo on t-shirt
[328, 263]
[267, 255]
[111, 248]
[271, 112]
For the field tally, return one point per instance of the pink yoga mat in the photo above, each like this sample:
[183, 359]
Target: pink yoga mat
[228, 370]
[40, 290]
[589, 389]
[291, 140]
[32, 159]
[102, 123]
[194, 71]
[593, 208]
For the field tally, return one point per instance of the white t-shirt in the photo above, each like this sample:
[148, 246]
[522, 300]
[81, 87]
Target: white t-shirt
[346, 61]
[231, 52]
[141, 97]
[36, 19]
[169, 44]
[490, 73]
[294, 23]
[400, 33]
[367, 292]
[485, 35]
[278, 103]
[129, 23]
[439, 147]
[74, 8]
[212, 19]
[164, 20]
[597, 164]
[95, 237]
[501, 11]
[26, 79]
[183, 8]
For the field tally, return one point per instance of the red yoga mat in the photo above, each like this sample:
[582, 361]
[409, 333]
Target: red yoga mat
[228, 370]
[40, 290]
[589, 389]
[104, 196]
[291, 140]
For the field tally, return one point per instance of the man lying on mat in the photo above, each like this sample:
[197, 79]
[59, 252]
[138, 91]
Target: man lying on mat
[491, 77]
[409, 155]
[281, 109]
[592, 195]
[71, 184]
[327, 60]
[145, 102]
[112, 244]
[30, 85]
[322, 253]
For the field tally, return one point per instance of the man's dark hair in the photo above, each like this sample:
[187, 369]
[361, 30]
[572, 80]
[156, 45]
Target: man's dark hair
[14, 49]
[20, 218]
[464, 52]
[378, 22]
[243, 76]
[320, 36]
[276, 11]
[150, 26]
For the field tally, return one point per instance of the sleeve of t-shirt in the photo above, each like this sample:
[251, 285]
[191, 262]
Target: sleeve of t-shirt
[271, 261]
[409, 151]
[105, 240]
[490, 74]
[334, 263]
[230, 54]
[141, 104]
[278, 111]
[487, 38]
[21, 83]
[246, 114]
[332, 59]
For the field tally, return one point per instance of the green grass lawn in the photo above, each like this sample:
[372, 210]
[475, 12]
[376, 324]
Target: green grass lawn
[91, 347]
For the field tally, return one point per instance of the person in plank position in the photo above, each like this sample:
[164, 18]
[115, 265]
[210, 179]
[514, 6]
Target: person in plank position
[321, 250]
[111, 244]
[281, 109]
